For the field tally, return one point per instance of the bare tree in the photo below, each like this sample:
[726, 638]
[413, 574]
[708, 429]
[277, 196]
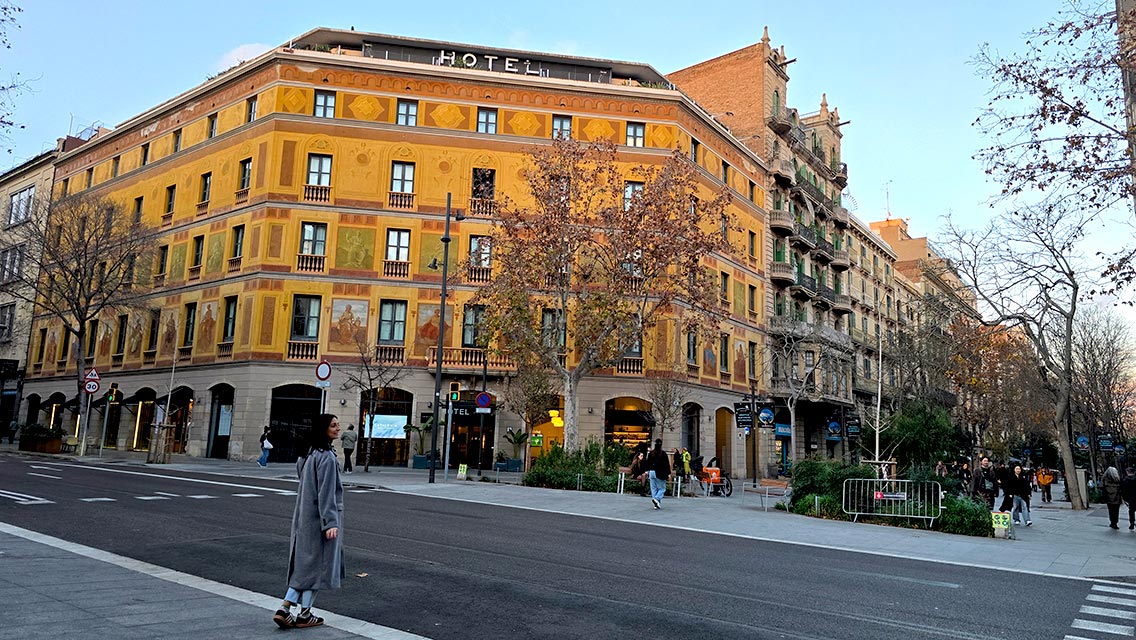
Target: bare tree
[80, 259]
[667, 395]
[1024, 267]
[530, 394]
[594, 255]
[1103, 386]
[373, 371]
[13, 86]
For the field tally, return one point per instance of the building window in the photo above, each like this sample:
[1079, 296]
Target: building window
[211, 125]
[752, 192]
[155, 327]
[752, 244]
[486, 120]
[163, 258]
[114, 162]
[402, 177]
[471, 325]
[407, 113]
[867, 367]
[725, 173]
[171, 198]
[630, 190]
[392, 322]
[11, 263]
[723, 286]
[751, 360]
[244, 174]
[65, 353]
[694, 146]
[7, 318]
[484, 183]
[724, 353]
[305, 318]
[20, 205]
[325, 104]
[552, 331]
[751, 299]
[190, 324]
[198, 250]
[562, 127]
[229, 325]
[206, 186]
[250, 109]
[238, 248]
[635, 134]
[92, 337]
[145, 158]
[480, 251]
[90, 177]
[42, 339]
[692, 348]
[398, 245]
[66, 187]
[177, 140]
[319, 170]
[313, 239]
[120, 339]
[138, 203]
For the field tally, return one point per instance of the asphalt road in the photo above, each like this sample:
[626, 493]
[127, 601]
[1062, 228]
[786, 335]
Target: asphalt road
[455, 570]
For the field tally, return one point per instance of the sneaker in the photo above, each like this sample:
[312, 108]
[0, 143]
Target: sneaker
[261, 464]
[655, 502]
[1112, 526]
[1029, 523]
[284, 619]
[307, 619]
[1018, 522]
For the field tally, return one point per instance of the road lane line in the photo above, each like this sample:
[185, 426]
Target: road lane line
[1104, 627]
[247, 495]
[1078, 638]
[151, 497]
[1108, 589]
[18, 496]
[96, 499]
[1108, 613]
[171, 495]
[42, 468]
[261, 600]
[1127, 602]
[165, 477]
[202, 497]
[44, 475]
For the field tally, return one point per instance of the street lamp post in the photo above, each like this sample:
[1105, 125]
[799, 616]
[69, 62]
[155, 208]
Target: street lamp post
[441, 335]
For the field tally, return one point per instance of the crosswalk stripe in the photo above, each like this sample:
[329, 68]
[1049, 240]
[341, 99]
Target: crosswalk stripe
[44, 475]
[247, 495]
[202, 497]
[1108, 613]
[1104, 627]
[151, 497]
[96, 499]
[1128, 602]
[1108, 589]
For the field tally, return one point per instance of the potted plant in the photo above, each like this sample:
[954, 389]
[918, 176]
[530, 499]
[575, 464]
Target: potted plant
[421, 460]
[41, 439]
[517, 438]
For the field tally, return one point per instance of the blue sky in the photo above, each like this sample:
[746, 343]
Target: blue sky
[898, 69]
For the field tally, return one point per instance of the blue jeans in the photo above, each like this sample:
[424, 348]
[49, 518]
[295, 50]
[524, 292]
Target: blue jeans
[658, 487]
[302, 598]
[1020, 507]
[263, 460]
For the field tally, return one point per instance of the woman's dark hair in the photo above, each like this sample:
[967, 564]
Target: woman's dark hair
[317, 435]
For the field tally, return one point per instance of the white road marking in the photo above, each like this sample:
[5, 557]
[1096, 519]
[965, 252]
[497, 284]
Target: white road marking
[44, 475]
[151, 497]
[359, 491]
[23, 498]
[1104, 627]
[43, 468]
[202, 497]
[165, 477]
[1077, 638]
[163, 493]
[247, 495]
[261, 600]
[1128, 602]
[1108, 613]
[1108, 589]
[96, 499]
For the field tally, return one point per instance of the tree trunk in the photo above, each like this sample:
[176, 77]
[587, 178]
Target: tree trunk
[571, 429]
[1072, 486]
[367, 440]
[792, 432]
[81, 371]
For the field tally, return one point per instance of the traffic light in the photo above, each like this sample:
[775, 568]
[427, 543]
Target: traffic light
[455, 391]
[114, 396]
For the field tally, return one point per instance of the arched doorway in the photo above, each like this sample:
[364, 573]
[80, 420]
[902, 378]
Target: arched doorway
[53, 409]
[691, 417]
[106, 413]
[384, 414]
[33, 409]
[294, 410]
[140, 407]
[179, 407]
[220, 421]
[628, 421]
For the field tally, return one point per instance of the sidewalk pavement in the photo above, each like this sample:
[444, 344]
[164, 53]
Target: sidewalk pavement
[57, 587]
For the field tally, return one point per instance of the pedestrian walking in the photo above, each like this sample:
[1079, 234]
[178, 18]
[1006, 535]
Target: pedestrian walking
[349, 438]
[315, 558]
[265, 447]
[658, 471]
[1110, 484]
[1128, 492]
[1003, 474]
[639, 472]
[1018, 486]
[963, 476]
[1045, 483]
[984, 483]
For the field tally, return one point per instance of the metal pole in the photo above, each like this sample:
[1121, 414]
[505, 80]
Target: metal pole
[481, 416]
[441, 339]
[446, 444]
[879, 389]
[83, 431]
[756, 430]
[106, 415]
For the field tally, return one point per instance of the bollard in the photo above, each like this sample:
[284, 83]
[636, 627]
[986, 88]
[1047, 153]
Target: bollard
[816, 506]
[579, 481]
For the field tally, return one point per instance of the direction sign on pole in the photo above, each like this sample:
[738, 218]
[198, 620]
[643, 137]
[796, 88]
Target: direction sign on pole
[91, 386]
[93, 374]
[743, 415]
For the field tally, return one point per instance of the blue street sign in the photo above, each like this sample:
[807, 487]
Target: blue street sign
[782, 430]
[834, 427]
[1027, 452]
[765, 416]
[483, 400]
[1083, 442]
[1119, 449]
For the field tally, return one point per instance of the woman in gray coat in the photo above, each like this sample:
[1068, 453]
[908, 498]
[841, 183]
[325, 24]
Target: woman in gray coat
[315, 559]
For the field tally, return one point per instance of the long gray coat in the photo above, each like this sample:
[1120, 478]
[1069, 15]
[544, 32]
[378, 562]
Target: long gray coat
[314, 561]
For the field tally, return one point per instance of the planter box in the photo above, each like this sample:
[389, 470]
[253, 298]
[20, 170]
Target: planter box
[40, 444]
[423, 462]
[514, 465]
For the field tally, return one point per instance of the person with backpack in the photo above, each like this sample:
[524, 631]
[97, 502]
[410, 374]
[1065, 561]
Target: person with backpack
[265, 447]
[984, 483]
[658, 471]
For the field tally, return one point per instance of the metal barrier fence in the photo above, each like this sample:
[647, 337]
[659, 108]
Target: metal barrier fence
[893, 498]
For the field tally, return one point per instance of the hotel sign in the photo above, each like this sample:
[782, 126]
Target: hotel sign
[490, 62]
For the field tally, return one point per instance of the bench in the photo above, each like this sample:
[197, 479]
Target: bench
[70, 443]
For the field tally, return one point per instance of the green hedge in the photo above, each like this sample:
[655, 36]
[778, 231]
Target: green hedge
[965, 516]
[595, 467]
[824, 477]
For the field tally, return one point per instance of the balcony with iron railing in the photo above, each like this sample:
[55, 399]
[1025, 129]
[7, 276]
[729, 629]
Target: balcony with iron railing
[782, 272]
[781, 222]
[783, 171]
[482, 207]
[824, 251]
[317, 193]
[629, 366]
[780, 121]
[840, 216]
[396, 269]
[842, 303]
[303, 350]
[235, 264]
[826, 296]
[310, 263]
[390, 354]
[788, 325]
[400, 200]
[840, 171]
[225, 349]
[804, 236]
[469, 358]
[840, 260]
[804, 287]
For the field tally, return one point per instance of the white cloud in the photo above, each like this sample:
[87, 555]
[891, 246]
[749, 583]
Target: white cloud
[241, 53]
